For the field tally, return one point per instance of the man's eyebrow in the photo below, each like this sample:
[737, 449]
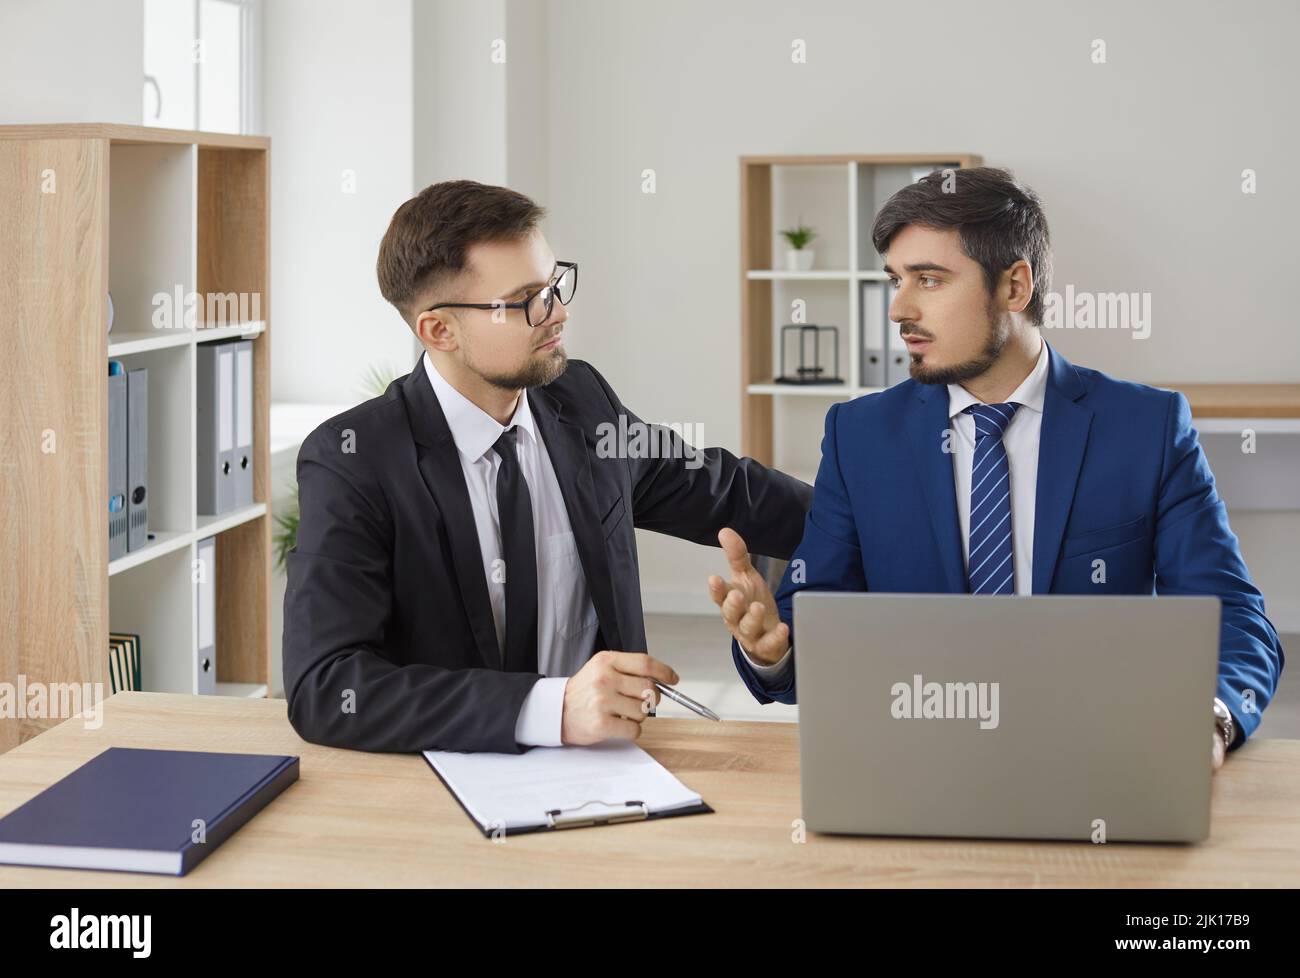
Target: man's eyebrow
[921, 266]
[534, 285]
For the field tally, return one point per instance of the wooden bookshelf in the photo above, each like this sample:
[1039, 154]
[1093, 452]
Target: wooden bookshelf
[839, 195]
[87, 208]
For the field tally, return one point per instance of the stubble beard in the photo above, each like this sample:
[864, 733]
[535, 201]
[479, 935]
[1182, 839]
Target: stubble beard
[537, 373]
[997, 336]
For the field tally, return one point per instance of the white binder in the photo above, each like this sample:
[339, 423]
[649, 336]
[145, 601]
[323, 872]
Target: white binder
[873, 308]
[137, 458]
[243, 404]
[215, 428]
[205, 596]
[117, 490]
[897, 359]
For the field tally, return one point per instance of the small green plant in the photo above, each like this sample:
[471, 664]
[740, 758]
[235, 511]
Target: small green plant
[376, 378]
[799, 236]
[374, 381]
[286, 529]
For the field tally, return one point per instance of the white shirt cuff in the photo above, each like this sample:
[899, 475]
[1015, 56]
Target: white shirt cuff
[769, 672]
[542, 715]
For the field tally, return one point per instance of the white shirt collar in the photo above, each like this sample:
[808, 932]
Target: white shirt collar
[472, 429]
[1029, 394]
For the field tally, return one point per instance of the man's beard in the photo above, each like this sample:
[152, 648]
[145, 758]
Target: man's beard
[537, 373]
[998, 335]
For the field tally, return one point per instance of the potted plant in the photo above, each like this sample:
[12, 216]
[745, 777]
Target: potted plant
[374, 381]
[799, 257]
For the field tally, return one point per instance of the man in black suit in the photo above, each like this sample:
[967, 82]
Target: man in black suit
[465, 575]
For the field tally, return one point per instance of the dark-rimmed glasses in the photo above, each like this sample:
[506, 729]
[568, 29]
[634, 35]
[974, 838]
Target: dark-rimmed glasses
[537, 306]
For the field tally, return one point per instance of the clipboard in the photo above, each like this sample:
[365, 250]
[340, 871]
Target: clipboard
[571, 817]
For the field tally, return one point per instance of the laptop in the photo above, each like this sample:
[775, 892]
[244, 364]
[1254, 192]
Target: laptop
[1044, 717]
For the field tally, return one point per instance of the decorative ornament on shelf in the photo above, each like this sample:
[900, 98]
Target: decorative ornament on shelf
[810, 369]
[799, 257]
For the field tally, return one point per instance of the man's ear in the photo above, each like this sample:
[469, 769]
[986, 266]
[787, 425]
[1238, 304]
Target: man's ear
[437, 330]
[1018, 281]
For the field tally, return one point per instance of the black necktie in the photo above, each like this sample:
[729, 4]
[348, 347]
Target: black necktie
[515, 511]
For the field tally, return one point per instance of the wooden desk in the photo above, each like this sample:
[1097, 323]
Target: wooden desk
[356, 819]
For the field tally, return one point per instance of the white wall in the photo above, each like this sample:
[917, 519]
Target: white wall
[481, 83]
[1138, 161]
[460, 92]
[71, 61]
[337, 97]
[528, 108]
[404, 94]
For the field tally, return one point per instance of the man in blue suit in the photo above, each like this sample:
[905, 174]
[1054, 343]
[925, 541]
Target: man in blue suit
[1000, 467]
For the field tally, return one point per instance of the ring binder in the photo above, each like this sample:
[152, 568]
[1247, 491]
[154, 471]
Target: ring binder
[578, 821]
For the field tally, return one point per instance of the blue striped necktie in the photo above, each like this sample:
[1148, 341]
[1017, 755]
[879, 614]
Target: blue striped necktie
[991, 566]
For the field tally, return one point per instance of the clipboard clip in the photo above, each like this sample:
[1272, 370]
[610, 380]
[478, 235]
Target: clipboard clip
[634, 811]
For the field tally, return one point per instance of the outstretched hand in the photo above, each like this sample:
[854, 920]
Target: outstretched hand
[747, 605]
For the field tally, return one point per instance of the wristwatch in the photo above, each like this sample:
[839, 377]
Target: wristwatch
[1224, 723]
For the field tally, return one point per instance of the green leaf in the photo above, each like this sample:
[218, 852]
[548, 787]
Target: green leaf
[376, 378]
[285, 537]
[799, 236]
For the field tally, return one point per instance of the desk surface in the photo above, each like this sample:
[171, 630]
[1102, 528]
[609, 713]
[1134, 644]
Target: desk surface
[356, 819]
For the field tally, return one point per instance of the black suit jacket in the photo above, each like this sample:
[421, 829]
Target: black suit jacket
[389, 642]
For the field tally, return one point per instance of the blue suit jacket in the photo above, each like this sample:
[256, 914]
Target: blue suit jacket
[1121, 476]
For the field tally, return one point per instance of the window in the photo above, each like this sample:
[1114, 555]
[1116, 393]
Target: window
[201, 61]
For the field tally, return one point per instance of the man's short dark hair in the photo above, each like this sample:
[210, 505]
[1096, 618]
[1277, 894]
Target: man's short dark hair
[999, 222]
[426, 241]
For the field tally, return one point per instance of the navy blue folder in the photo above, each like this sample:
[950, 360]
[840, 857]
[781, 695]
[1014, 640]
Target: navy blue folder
[135, 810]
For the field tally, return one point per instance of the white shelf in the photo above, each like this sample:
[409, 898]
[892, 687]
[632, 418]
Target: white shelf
[163, 542]
[167, 541]
[153, 246]
[155, 600]
[803, 390]
[206, 526]
[235, 331]
[812, 390]
[249, 691]
[772, 274]
[122, 342]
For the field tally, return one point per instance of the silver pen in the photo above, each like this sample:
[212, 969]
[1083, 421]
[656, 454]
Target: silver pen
[686, 701]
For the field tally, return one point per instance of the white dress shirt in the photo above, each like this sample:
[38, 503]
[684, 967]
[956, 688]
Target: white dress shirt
[1021, 442]
[566, 618]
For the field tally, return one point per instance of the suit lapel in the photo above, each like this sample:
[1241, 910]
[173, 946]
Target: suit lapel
[440, 466]
[1062, 442]
[571, 460]
[926, 424]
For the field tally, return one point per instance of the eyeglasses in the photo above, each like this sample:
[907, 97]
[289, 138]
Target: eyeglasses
[537, 306]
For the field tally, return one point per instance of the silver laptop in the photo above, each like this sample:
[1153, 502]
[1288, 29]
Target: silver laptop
[1045, 717]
